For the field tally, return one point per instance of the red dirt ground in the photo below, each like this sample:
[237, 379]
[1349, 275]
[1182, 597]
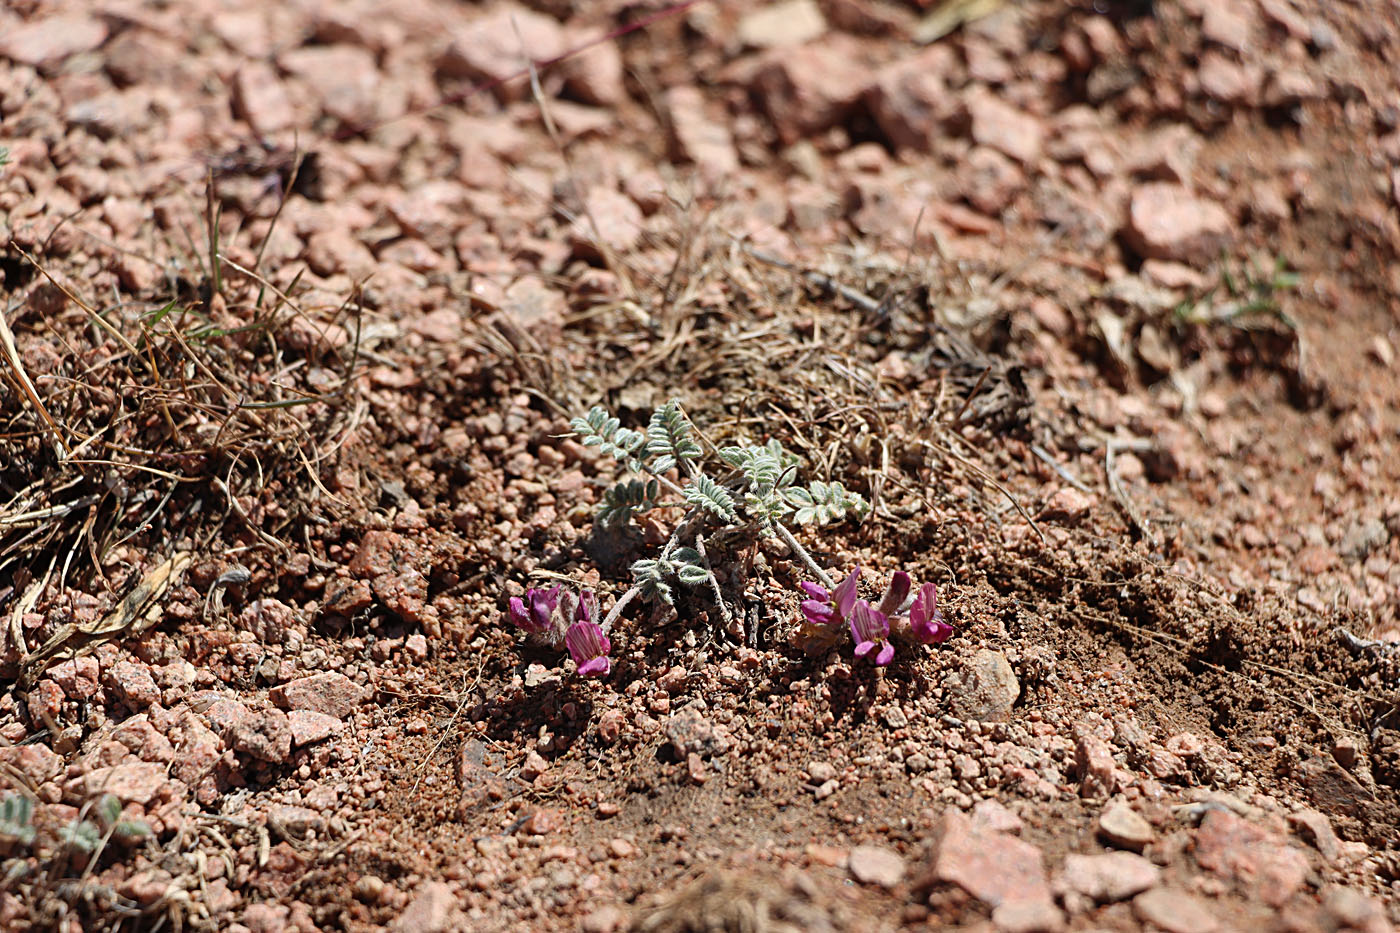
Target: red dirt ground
[1097, 304]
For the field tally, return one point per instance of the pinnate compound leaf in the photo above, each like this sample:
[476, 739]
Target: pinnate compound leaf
[710, 495]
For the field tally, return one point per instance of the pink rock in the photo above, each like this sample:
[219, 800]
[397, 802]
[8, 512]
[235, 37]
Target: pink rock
[610, 726]
[432, 910]
[141, 737]
[595, 75]
[78, 677]
[1122, 826]
[260, 99]
[1290, 87]
[309, 726]
[786, 22]
[39, 763]
[1067, 505]
[337, 251]
[344, 80]
[989, 180]
[993, 867]
[132, 683]
[266, 917]
[696, 137]
[1226, 80]
[612, 218]
[876, 865]
[1167, 154]
[806, 89]
[992, 816]
[441, 326]
[130, 782]
[1028, 917]
[1094, 766]
[197, 747]
[1175, 911]
[432, 211]
[1348, 908]
[1165, 221]
[1316, 828]
[501, 43]
[266, 736]
[533, 305]
[1238, 850]
[1228, 24]
[45, 701]
[1005, 128]
[909, 99]
[380, 552]
[1112, 876]
[47, 42]
[331, 693]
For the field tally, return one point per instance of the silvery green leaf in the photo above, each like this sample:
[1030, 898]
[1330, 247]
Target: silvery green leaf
[686, 555]
[131, 829]
[82, 835]
[710, 495]
[798, 496]
[663, 463]
[692, 575]
[109, 809]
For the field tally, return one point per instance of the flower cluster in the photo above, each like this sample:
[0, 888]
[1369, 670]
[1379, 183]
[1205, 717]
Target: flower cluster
[872, 626]
[559, 615]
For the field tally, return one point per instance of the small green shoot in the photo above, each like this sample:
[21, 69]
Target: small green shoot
[1241, 297]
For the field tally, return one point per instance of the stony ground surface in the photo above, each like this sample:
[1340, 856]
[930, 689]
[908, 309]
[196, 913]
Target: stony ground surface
[1097, 304]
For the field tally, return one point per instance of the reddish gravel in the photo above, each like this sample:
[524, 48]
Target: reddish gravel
[1096, 304]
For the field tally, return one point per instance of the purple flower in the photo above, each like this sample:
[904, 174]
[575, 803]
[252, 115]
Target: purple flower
[895, 593]
[589, 648]
[535, 612]
[871, 629]
[825, 607]
[925, 618]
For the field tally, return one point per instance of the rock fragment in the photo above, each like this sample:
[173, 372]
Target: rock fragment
[331, 693]
[1122, 826]
[1112, 876]
[1001, 126]
[876, 865]
[1166, 221]
[986, 689]
[1175, 911]
[788, 22]
[809, 88]
[44, 43]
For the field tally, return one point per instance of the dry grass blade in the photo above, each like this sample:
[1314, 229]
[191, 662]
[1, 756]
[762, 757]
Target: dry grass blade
[134, 615]
[26, 385]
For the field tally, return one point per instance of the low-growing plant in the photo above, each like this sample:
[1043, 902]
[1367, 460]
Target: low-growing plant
[78, 842]
[743, 493]
[1240, 296]
[16, 822]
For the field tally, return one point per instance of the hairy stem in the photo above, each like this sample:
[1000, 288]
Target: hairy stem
[714, 584]
[801, 552]
[616, 610]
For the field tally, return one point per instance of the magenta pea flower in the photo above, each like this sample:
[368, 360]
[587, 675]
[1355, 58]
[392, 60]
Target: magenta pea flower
[535, 613]
[895, 594]
[871, 629]
[830, 607]
[589, 648]
[925, 618]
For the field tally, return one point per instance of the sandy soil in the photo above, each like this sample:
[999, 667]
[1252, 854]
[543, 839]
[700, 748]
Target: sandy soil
[1095, 305]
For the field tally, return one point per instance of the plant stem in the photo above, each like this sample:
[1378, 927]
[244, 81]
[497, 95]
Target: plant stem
[617, 608]
[801, 552]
